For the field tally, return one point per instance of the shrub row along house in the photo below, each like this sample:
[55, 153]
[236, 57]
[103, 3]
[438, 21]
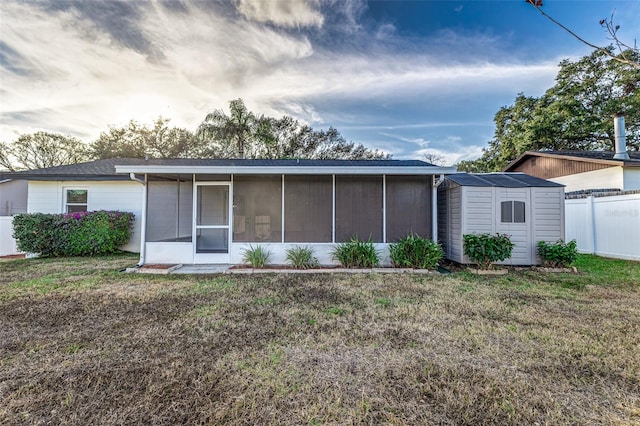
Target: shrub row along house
[208, 211]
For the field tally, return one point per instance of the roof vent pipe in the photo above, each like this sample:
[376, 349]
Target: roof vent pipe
[621, 138]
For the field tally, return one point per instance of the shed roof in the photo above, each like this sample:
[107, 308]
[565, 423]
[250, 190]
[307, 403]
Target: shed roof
[119, 168]
[502, 180]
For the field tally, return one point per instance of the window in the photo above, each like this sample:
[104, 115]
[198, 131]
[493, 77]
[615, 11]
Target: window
[76, 200]
[408, 206]
[359, 208]
[308, 207]
[257, 209]
[512, 212]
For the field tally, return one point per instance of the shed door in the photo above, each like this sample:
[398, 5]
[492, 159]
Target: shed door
[513, 217]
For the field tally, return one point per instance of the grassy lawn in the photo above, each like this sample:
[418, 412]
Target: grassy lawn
[81, 343]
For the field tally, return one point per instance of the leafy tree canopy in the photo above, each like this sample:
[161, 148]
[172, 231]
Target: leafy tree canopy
[42, 149]
[575, 114]
[244, 134]
[139, 141]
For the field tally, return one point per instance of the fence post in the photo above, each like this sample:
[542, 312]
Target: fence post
[591, 225]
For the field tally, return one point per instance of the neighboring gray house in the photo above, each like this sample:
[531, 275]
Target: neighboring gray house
[526, 208]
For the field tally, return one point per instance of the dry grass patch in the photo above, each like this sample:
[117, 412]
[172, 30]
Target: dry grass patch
[315, 349]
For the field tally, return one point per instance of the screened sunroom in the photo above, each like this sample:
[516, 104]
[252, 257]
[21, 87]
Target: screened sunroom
[194, 215]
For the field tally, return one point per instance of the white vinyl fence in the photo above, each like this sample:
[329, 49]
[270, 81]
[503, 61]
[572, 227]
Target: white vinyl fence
[607, 226]
[7, 243]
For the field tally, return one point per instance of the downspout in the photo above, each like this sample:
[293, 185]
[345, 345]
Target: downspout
[143, 224]
[434, 207]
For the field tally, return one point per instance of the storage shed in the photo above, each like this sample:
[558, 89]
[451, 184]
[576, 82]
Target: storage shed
[527, 208]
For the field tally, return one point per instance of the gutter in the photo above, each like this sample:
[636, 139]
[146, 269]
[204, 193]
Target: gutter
[143, 224]
[288, 170]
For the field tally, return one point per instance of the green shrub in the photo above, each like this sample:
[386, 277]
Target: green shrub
[301, 257]
[356, 254]
[558, 255]
[256, 256]
[72, 234]
[485, 249]
[413, 251]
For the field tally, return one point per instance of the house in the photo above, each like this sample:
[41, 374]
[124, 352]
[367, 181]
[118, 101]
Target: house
[201, 211]
[581, 170]
[602, 206]
[85, 186]
[526, 208]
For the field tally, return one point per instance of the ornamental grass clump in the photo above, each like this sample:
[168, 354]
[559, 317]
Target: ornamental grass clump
[356, 254]
[301, 257]
[72, 234]
[558, 255]
[416, 252]
[485, 249]
[257, 256]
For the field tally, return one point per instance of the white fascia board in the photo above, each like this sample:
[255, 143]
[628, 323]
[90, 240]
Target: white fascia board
[289, 170]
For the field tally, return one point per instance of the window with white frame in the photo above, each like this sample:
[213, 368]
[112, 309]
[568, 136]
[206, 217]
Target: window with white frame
[512, 212]
[76, 200]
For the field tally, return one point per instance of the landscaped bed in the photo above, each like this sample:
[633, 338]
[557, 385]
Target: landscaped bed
[81, 343]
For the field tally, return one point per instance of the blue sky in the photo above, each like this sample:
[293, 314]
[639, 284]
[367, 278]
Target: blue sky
[410, 78]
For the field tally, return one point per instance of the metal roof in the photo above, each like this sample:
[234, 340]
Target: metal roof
[119, 168]
[502, 180]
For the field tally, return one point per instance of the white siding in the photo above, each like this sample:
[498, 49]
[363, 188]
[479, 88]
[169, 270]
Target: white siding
[548, 216]
[631, 178]
[48, 197]
[611, 177]
[478, 210]
[44, 197]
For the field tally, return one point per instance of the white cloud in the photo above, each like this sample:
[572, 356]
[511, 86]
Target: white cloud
[285, 13]
[450, 157]
[77, 78]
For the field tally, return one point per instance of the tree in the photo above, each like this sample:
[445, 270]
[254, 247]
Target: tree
[575, 114]
[230, 134]
[434, 158]
[139, 141]
[625, 50]
[42, 149]
[244, 134]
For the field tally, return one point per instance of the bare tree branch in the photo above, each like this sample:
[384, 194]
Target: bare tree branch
[607, 24]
